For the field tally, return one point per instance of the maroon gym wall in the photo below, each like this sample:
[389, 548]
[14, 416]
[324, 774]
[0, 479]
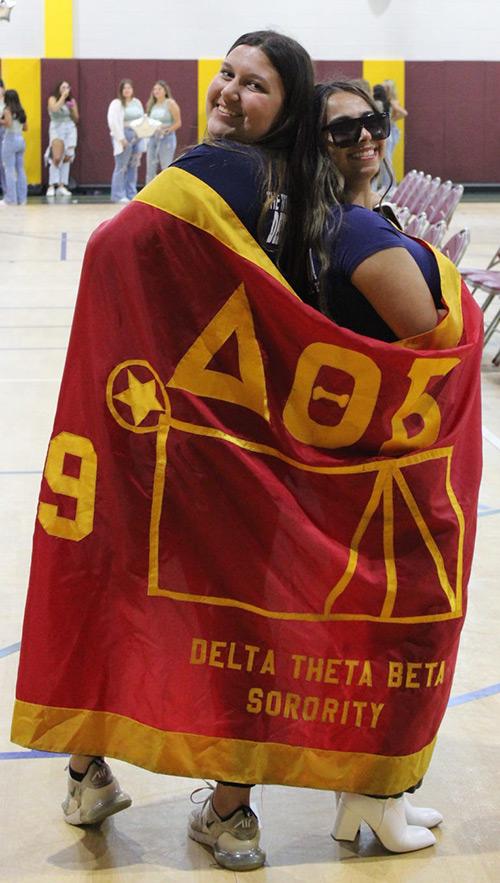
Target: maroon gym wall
[95, 84]
[330, 70]
[453, 124]
[452, 130]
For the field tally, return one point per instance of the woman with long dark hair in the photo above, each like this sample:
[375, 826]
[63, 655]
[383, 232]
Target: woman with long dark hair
[279, 148]
[63, 138]
[384, 285]
[255, 176]
[365, 242]
[15, 122]
[127, 147]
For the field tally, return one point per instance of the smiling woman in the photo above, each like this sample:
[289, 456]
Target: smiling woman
[233, 214]
[245, 98]
[380, 282]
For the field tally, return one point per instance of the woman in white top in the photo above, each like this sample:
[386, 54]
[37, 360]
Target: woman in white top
[161, 146]
[127, 148]
[63, 137]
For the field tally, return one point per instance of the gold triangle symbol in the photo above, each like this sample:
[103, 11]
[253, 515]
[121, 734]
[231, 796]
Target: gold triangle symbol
[193, 374]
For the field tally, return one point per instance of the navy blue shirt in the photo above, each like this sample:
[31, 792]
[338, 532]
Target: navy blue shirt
[236, 173]
[363, 233]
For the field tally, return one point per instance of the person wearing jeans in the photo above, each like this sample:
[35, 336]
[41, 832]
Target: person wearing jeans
[14, 120]
[124, 180]
[127, 148]
[2, 134]
[63, 137]
[161, 146]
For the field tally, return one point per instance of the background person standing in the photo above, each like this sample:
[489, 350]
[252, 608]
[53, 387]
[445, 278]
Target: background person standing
[127, 148]
[63, 137]
[15, 123]
[161, 146]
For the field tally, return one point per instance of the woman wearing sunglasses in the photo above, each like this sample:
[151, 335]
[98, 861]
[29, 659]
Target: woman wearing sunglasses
[380, 283]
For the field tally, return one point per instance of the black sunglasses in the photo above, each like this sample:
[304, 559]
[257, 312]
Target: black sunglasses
[346, 131]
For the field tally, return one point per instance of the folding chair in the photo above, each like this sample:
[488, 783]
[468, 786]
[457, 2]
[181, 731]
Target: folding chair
[487, 280]
[468, 272]
[450, 202]
[398, 195]
[403, 215]
[457, 245]
[492, 289]
[433, 209]
[426, 196]
[435, 233]
[417, 225]
[418, 193]
[413, 185]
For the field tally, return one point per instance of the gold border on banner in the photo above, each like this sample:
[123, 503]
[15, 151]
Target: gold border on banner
[80, 731]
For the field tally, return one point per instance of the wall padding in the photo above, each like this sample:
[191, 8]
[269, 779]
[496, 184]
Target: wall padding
[453, 127]
[95, 84]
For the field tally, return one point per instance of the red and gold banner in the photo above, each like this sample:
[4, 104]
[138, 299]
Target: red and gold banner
[255, 528]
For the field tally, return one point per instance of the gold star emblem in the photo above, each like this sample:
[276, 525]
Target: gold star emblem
[140, 397]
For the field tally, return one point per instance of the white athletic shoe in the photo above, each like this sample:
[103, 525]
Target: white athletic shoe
[95, 798]
[63, 191]
[51, 191]
[234, 840]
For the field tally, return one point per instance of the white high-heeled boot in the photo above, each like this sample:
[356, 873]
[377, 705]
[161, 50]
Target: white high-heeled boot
[386, 818]
[424, 816]
[421, 815]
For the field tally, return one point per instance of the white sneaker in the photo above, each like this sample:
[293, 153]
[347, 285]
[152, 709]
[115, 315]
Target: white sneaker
[124, 199]
[95, 798]
[234, 840]
[51, 191]
[63, 191]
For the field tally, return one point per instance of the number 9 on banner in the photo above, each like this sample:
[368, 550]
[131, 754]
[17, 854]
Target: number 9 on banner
[81, 488]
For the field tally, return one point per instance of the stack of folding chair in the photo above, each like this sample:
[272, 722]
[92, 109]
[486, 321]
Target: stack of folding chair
[487, 280]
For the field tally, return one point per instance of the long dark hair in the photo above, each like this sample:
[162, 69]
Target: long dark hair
[152, 100]
[294, 166]
[56, 92]
[12, 101]
[121, 86]
[380, 95]
[322, 93]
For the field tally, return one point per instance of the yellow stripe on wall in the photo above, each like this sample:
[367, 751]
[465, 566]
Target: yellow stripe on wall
[24, 75]
[58, 28]
[207, 69]
[376, 71]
